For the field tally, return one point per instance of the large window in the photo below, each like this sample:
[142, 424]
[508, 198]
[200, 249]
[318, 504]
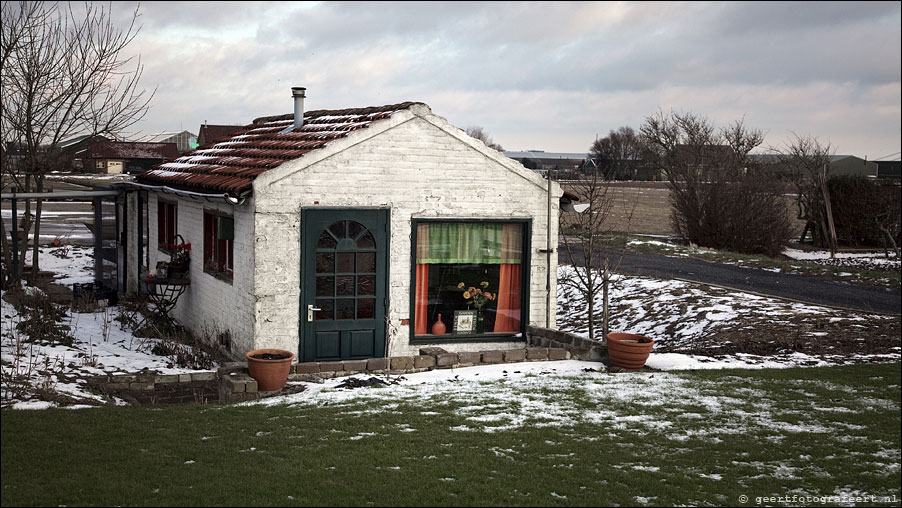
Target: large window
[167, 219]
[469, 278]
[219, 235]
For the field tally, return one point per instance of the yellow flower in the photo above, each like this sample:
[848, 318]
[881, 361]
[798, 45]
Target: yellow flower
[466, 294]
[484, 284]
[461, 285]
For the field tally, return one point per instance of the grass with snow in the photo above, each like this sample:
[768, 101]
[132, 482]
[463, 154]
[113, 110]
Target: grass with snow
[588, 438]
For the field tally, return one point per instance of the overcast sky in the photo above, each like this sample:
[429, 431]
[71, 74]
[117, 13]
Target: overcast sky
[547, 76]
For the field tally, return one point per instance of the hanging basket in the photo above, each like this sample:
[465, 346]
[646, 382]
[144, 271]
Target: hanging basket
[628, 350]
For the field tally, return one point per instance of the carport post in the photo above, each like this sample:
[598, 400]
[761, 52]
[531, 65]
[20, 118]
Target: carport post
[15, 237]
[98, 239]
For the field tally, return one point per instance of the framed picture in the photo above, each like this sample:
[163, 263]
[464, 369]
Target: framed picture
[464, 321]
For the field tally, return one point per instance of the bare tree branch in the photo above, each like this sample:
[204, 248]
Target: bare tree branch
[64, 73]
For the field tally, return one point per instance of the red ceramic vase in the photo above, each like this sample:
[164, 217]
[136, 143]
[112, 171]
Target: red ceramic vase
[270, 367]
[628, 350]
[439, 328]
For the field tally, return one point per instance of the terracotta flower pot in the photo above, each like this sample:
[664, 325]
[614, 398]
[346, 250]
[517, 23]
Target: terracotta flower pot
[270, 367]
[628, 350]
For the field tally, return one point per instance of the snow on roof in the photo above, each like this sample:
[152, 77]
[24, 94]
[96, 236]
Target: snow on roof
[231, 165]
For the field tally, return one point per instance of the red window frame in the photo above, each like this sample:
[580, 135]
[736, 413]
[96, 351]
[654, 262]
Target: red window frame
[218, 254]
[167, 222]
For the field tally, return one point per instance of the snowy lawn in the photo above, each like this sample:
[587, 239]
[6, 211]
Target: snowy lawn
[554, 436]
[695, 327]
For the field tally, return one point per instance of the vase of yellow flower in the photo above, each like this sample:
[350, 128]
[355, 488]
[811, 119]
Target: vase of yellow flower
[477, 297]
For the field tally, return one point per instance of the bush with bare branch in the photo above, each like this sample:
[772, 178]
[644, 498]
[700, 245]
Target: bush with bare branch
[720, 199]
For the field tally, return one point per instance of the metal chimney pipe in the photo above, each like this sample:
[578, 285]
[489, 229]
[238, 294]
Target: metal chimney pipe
[299, 93]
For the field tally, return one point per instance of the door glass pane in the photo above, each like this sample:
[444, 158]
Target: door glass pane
[325, 263]
[339, 229]
[354, 229]
[366, 285]
[366, 308]
[345, 286]
[344, 308]
[366, 241]
[366, 262]
[345, 262]
[325, 286]
[326, 309]
[326, 241]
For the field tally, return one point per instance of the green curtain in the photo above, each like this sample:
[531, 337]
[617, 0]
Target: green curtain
[468, 242]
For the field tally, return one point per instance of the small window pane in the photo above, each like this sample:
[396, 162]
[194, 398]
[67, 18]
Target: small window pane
[345, 286]
[325, 286]
[354, 229]
[344, 308]
[326, 241]
[366, 308]
[366, 285]
[366, 242]
[366, 262]
[325, 312]
[339, 229]
[325, 263]
[345, 262]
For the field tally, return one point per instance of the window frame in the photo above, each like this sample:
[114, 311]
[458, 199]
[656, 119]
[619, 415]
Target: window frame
[212, 247]
[164, 208]
[525, 276]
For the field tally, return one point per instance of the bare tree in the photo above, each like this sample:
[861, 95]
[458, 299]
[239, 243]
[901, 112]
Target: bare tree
[807, 161]
[720, 200]
[619, 153]
[480, 134]
[584, 242]
[64, 73]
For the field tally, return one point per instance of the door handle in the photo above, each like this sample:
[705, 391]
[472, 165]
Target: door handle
[310, 310]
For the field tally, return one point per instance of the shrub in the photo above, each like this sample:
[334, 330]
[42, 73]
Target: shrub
[41, 319]
[865, 213]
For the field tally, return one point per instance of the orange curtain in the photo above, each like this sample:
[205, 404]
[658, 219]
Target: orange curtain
[507, 318]
[420, 320]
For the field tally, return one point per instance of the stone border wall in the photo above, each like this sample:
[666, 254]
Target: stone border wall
[231, 382]
[579, 348]
[141, 388]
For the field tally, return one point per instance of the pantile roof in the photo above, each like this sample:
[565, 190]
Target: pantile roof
[129, 150]
[231, 165]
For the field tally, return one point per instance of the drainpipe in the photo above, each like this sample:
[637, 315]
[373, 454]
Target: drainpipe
[548, 251]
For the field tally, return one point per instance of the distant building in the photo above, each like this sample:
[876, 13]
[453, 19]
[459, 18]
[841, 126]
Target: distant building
[114, 157]
[184, 140]
[852, 165]
[211, 133]
[560, 164]
[890, 170]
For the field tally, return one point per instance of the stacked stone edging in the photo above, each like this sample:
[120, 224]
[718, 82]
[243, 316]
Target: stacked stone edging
[147, 388]
[579, 348]
[231, 382]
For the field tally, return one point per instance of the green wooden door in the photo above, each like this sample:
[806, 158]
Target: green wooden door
[344, 291]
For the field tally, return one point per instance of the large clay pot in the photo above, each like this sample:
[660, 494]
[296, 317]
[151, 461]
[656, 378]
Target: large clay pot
[270, 367]
[628, 350]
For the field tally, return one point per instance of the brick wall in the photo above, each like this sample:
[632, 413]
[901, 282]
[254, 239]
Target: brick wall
[210, 304]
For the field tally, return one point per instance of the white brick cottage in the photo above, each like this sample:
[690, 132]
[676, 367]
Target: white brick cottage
[359, 233]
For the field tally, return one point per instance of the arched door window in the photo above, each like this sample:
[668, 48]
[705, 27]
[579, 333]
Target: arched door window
[345, 272]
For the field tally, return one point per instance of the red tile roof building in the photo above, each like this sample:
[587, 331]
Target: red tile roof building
[231, 166]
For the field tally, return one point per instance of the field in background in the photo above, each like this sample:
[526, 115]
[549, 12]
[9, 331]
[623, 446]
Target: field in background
[650, 205]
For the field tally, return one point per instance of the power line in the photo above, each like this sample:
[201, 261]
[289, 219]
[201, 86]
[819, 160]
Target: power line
[885, 156]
